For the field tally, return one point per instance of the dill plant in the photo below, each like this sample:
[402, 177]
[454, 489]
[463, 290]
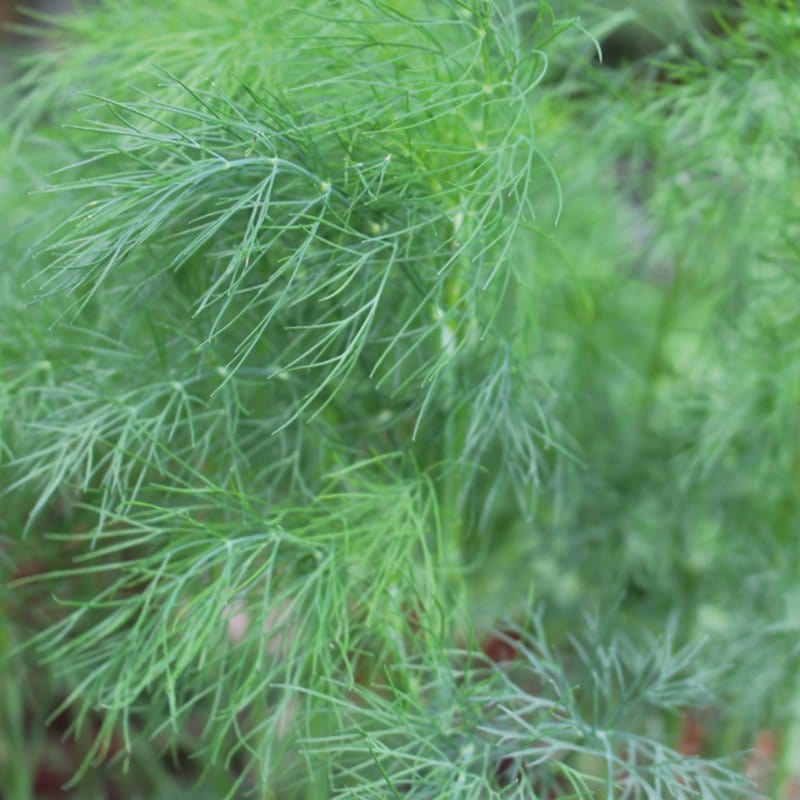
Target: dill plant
[304, 390]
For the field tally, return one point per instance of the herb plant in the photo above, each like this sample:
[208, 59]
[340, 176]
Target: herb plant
[396, 402]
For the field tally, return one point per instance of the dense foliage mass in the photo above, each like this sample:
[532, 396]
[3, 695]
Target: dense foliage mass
[396, 401]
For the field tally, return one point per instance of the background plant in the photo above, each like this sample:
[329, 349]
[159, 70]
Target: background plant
[332, 336]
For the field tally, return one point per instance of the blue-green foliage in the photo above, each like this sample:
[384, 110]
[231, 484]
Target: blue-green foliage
[332, 335]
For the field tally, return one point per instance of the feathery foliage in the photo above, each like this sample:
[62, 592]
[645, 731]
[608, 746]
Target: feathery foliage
[337, 338]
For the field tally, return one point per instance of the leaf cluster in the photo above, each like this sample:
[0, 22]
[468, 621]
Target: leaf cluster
[332, 335]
